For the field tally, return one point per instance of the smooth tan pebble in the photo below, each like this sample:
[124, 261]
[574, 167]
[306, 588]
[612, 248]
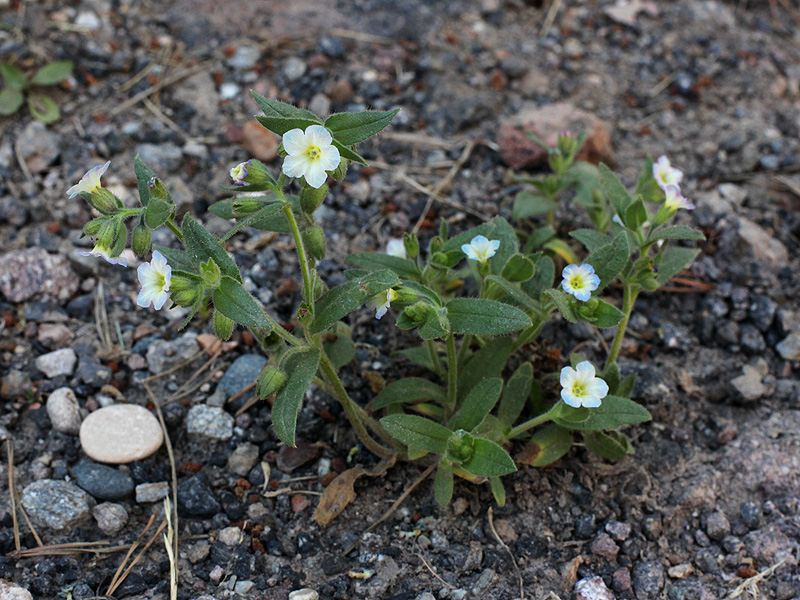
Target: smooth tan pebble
[120, 433]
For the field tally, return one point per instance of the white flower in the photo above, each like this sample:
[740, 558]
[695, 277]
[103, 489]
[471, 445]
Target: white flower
[103, 252]
[155, 278]
[90, 182]
[311, 154]
[397, 248]
[675, 200]
[480, 248]
[580, 387]
[239, 172]
[383, 307]
[580, 281]
[665, 174]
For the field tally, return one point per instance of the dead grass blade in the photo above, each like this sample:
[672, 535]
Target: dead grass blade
[120, 575]
[98, 547]
[751, 583]
[15, 502]
[510, 554]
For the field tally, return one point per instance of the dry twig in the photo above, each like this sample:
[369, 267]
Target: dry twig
[510, 554]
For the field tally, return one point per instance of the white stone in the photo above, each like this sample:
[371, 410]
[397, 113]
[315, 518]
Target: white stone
[210, 421]
[304, 594]
[59, 362]
[64, 412]
[12, 591]
[230, 536]
[151, 492]
[110, 517]
[120, 433]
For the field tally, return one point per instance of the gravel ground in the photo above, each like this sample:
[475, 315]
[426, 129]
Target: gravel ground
[709, 499]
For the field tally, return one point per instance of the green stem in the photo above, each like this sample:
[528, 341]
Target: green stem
[628, 299]
[355, 414]
[437, 362]
[530, 334]
[282, 333]
[452, 373]
[462, 350]
[308, 293]
[173, 227]
[548, 416]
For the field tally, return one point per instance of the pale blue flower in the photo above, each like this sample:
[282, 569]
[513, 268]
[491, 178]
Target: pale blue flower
[580, 387]
[675, 200]
[665, 174]
[239, 172]
[155, 278]
[480, 248]
[396, 247]
[580, 281]
[105, 253]
[382, 302]
[90, 182]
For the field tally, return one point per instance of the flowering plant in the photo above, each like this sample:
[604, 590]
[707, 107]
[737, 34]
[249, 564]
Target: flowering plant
[464, 413]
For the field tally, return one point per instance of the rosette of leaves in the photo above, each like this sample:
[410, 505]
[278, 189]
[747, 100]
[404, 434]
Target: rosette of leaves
[19, 88]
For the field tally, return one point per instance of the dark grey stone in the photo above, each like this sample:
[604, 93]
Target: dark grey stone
[101, 481]
[239, 375]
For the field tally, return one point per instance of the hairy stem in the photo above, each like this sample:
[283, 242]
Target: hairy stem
[452, 374]
[435, 360]
[628, 300]
[173, 227]
[548, 416]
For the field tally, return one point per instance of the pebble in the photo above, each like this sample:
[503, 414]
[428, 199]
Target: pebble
[789, 347]
[244, 58]
[229, 91]
[38, 146]
[91, 371]
[593, 588]
[101, 481]
[56, 504]
[294, 68]
[120, 433]
[230, 536]
[290, 458]
[604, 546]
[161, 158]
[195, 498]
[242, 372]
[304, 594]
[163, 355]
[680, 571]
[53, 335]
[151, 492]
[717, 525]
[618, 530]
[63, 411]
[12, 591]
[110, 517]
[25, 274]
[243, 587]
[243, 459]
[751, 514]
[748, 385]
[648, 579]
[198, 552]
[58, 362]
[210, 421]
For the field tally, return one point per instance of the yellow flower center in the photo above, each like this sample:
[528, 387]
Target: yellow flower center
[578, 389]
[313, 152]
[576, 282]
[161, 280]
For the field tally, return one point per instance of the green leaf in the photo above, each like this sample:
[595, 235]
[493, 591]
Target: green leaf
[528, 204]
[418, 432]
[10, 101]
[635, 214]
[343, 299]
[498, 491]
[339, 346]
[626, 386]
[157, 212]
[443, 483]
[143, 175]
[603, 315]
[377, 261]
[546, 446]
[543, 275]
[612, 445]
[202, 245]
[593, 240]
[236, 303]
[609, 260]
[515, 394]
[223, 209]
[409, 389]
[276, 108]
[514, 293]
[616, 193]
[488, 460]
[178, 259]
[12, 75]
[487, 362]
[349, 153]
[563, 303]
[672, 261]
[420, 356]
[301, 367]
[539, 237]
[613, 412]
[612, 378]
[479, 402]
[485, 317]
[280, 125]
[435, 326]
[352, 128]
[53, 73]
[43, 108]
[677, 232]
[561, 248]
[518, 268]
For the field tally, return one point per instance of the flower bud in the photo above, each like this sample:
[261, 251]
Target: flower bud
[184, 289]
[158, 190]
[269, 381]
[120, 238]
[251, 172]
[314, 240]
[311, 198]
[93, 227]
[104, 201]
[435, 245]
[417, 312]
[210, 273]
[247, 205]
[411, 243]
[460, 447]
[106, 236]
[649, 283]
[223, 326]
[140, 242]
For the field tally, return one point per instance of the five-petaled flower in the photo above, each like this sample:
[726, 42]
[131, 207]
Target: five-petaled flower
[396, 247]
[675, 200]
[665, 174]
[102, 252]
[310, 154]
[580, 387]
[580, 281]
[155, 278]
[90, 182]
[239, 172]
[480, 248]
[383, 307]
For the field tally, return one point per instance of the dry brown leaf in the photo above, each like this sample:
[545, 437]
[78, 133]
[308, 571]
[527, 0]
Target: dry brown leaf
[341, 491]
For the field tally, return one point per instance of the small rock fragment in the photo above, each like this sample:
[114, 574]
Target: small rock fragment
[210, 421]
[260, 142]
[56, 504]
[59, 362]
[64, 412]
[120, 433]
[101, 481]
[230, 536]
[25, 274]
[789, 347]
[12, 591]
[304, 594]
[110, 517]
[717, 525]
[243, 459]
[151, 492]
[592, 588]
